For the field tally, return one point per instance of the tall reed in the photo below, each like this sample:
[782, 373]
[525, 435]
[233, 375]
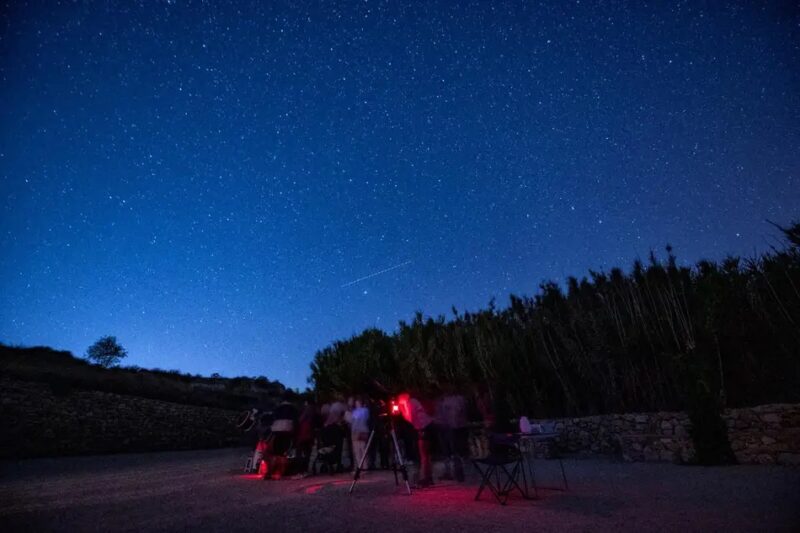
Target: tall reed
[609, 342]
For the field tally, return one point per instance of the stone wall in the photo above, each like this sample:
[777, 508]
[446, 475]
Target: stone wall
[764, 434]
[37, 420]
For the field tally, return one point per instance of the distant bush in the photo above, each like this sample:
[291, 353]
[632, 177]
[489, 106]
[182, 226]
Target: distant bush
[106, 352]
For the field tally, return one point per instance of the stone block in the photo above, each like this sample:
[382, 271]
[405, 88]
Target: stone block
[789, 458]
[651, 455]
[764, 459]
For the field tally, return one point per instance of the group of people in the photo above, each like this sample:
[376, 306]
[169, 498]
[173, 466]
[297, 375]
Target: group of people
[441, 422]
[339, 431]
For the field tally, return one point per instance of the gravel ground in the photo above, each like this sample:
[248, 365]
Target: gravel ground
[205, 491]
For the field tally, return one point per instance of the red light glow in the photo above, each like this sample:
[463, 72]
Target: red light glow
[403, 405]
[313, 489]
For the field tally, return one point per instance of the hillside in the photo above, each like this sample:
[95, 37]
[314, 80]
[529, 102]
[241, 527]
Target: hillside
[64, 372]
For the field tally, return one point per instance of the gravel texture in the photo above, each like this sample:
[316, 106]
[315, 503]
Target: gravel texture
[206, 491]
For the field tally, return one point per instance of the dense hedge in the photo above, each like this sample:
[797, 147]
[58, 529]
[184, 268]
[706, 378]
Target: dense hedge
[661, 337]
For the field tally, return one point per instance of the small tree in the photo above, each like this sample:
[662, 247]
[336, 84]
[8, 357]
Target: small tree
[106, 352]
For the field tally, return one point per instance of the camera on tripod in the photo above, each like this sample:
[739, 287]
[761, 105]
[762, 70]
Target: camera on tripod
[390, 411]
[389, 403]
[389, 408]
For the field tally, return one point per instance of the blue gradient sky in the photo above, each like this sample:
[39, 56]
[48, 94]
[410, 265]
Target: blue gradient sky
[205, 181]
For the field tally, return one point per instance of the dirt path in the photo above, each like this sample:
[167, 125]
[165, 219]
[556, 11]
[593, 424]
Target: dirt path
[203, 491]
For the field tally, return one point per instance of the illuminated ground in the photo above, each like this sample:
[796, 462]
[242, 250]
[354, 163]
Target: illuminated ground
[201, 491]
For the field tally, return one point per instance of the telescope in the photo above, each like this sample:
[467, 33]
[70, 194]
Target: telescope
[391, 410]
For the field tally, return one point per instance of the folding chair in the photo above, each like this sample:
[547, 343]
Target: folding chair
[504, 463]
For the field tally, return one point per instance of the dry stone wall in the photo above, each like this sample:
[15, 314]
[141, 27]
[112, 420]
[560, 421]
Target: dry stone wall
[767, 434]
[37, 420]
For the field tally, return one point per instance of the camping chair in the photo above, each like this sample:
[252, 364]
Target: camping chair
[504, 463]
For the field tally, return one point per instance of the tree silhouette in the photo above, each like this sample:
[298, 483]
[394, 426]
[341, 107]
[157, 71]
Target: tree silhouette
[106, 351]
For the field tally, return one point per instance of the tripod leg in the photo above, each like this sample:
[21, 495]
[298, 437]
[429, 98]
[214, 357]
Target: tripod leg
[395, 461]
[357, 473]
[400, 462]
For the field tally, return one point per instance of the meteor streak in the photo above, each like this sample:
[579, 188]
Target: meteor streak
[384, 271]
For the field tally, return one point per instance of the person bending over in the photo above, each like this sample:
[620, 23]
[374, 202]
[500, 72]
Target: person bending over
[415, 413]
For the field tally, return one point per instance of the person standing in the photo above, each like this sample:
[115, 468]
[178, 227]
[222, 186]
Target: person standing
[283, 429]
[333, 429]
[348, 424]
[379, 451]
[359, 431]
[451, 416]
[305, 433]
[415, 413]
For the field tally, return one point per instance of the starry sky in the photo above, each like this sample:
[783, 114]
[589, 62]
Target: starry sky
[229, 186]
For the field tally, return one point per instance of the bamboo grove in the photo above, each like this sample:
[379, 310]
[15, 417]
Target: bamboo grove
[613, 342]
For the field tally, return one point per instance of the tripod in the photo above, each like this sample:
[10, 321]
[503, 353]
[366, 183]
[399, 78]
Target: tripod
[399, 464]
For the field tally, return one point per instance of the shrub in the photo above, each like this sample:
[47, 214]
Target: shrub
[106, 352]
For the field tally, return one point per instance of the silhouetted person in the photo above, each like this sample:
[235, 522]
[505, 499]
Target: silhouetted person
[380, 440]
[305, 433]
[333, 431]
[502, 411]
[451, 417]
[283, 429]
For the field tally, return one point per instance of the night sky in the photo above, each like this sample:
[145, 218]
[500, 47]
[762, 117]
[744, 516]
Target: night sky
[228, 187]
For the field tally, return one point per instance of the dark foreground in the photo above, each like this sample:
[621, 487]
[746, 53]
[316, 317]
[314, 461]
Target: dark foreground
[204, 491]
